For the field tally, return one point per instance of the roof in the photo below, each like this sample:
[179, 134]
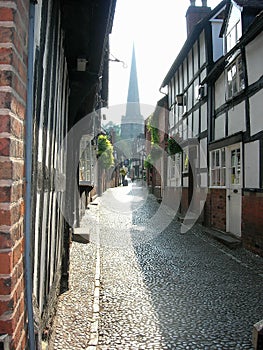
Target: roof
[250, 3]
[190, 41]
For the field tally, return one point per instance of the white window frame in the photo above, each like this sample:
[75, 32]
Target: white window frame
[218, 168]
[235, 77]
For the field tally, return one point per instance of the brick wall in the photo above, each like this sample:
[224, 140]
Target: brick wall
[13, 73]
[215, 208]
[252, 222]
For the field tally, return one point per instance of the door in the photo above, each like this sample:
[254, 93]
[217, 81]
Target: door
[234, 189]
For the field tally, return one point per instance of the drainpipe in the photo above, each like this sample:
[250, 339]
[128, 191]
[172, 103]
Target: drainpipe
[28, 175]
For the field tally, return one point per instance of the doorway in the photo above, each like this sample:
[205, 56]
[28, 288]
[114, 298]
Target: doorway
[234, 189]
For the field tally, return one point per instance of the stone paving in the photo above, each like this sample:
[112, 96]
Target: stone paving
[158, 288]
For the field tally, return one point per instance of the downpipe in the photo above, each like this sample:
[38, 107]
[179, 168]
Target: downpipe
[28, 179]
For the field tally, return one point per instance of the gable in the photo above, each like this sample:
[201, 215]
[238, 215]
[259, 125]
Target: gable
[233, 28]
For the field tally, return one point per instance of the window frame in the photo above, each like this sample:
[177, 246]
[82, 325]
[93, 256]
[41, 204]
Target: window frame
[218, 168]
[236, 83]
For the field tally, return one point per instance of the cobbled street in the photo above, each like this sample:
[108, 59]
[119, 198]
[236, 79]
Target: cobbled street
[155, 287]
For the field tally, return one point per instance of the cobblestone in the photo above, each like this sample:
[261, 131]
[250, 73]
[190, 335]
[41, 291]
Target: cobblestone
[159, 289]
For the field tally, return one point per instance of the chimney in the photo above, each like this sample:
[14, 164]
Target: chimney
[195, 14]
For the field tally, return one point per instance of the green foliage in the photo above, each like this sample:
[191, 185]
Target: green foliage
[153, 130]
[173, 147]
[123, 171]
[105, 152]
[148, 162]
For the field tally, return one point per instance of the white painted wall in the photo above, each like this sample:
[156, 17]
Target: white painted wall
[236, 119]
[217, 41]
[252, 164]
[196, 122]
[254, 54]
[220, 123]
[202, 49]
[203, 117]
[195, 49]
[256, 113]
[220, 91]
[190, 65]
[185, 72]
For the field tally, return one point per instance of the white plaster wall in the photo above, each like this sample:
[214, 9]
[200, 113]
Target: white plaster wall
[254, 54]
[220, 123]
[202, 49]
[203, 75]
[185, 72]
[217, 41]
[190, 126]
[256, 113]
[236, 119]
[190, 97]
[196, 122]
[252, 164]
[190, 65]
[203, 117]
[203, 153]
[195, 48]
[220, 91]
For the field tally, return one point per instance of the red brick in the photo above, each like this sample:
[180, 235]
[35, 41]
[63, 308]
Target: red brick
[6, 305]
[18, 170]
[5, 146]
[6, 55]
[6, 285]
[252, 222]
[6, 263]
[17, 252]
[10, 320]
[16, 148]
[19, 337]
[6, 34]
[11, 170]
[5, 194]
[5, 123]
[6, 14]
[10, 215]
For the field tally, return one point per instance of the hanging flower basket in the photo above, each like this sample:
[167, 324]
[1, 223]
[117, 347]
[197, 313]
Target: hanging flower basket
[173, 147]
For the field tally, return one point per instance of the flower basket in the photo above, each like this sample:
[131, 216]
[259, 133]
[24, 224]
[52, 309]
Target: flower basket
[173, 147]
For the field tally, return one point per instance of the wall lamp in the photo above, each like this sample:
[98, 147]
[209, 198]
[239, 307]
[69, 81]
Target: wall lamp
[81, 64]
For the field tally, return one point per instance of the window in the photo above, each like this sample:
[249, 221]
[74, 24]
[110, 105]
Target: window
[235, 77]
[235, 167]
[218, 167]
[233, 36]
[175, 168]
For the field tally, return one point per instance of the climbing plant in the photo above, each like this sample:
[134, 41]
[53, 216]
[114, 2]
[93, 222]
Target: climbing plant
[105, 152]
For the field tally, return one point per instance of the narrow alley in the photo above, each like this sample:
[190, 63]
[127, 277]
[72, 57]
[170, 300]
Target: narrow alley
[141, 284]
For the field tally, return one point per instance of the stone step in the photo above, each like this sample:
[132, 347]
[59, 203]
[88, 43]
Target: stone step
[81, 235]
[227, 239]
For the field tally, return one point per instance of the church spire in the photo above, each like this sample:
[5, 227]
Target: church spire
[133, 92]
[132, 121]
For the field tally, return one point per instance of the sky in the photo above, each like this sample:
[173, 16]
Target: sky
[157, 28]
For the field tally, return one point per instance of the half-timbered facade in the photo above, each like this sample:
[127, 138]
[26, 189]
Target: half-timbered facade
[54, 74]
[235, 143]
[187, 179]
[215, 100]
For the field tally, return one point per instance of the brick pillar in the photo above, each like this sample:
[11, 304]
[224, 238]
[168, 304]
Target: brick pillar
[13, 80]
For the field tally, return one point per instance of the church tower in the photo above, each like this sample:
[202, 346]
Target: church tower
[132, 123]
